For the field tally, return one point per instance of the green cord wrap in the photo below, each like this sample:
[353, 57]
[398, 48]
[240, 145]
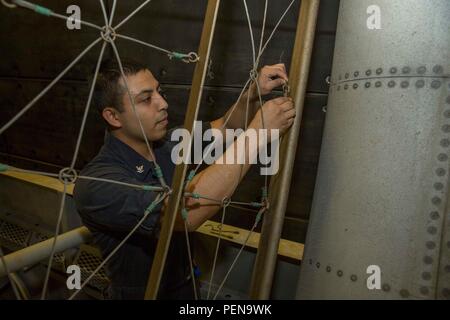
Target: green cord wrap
[191, 175]
[256, 204]
[150, 188]
[258, 216]
[184, 213]
[178, 55]
[264, 192]
[151, 207]
[3, 167]
[42, 10]
[195, 196]
[158, 172]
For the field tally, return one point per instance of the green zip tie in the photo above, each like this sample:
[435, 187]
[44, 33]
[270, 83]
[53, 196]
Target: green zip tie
[3, 167]
[195, 196]
[191, 175]
[184, 213]
[258, 216]
[158, 172]
[264, 192]
[151, 188]
[178, 55]
[42, 10]
[151, 207]
[256, 204]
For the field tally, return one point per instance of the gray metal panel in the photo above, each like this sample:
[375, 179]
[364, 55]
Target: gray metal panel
[382, 184]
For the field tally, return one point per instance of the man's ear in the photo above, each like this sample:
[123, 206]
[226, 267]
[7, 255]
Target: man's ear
[112, 117]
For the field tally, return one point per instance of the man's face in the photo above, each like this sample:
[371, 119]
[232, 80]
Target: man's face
[150, 107]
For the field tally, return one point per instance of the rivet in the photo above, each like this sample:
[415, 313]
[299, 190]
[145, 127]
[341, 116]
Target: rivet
[440, 172]
[435, 84]
[447, 268]
[356, 73]
[442, 157]
[430, 245]
[404, 293]
[340, 273]
[438, 186]
[434, 215]
[406, 70]
[446, 128]
[328, 269]
[438, 69]
[353, 277]
[432, 230]
[378, 84]
[445, 143]
[346, 86]
[355, 86]
[447, 113]
[368, 72]
[379, 71]
[405, 84]
[347, 75]
[424, 290]
[391, 84]
[367, 84]
[427, 260]
[421, 70]
[420, 83]
[318, 265]
[426, 276]
[436, 201]
[386, 287]
[393, 70]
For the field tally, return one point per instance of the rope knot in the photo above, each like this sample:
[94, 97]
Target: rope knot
[226, 201]
[254, 74]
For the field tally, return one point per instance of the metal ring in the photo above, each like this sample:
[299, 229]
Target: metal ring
[191, 57]
[9, 5]
[67, 175]
[328, 80]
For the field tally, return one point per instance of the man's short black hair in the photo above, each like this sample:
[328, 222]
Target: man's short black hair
[108, 92]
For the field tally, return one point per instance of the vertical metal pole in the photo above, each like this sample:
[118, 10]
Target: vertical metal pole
[266, 258]
[180, 172]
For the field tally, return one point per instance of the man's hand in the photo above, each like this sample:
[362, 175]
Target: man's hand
[278, 113]
[269, 78]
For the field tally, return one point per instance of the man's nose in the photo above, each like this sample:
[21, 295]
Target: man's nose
[163, 105]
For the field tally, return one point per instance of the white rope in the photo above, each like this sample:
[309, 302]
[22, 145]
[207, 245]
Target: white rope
[131, 15]
[32, 102]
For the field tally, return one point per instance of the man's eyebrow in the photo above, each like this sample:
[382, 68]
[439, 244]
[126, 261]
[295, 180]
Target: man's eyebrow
[144, 91]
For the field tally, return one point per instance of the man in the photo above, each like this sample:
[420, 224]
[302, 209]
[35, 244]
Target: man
[110, 211]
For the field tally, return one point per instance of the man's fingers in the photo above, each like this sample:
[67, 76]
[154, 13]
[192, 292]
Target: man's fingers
[290, 113]
[287, 105]
[276, 83]
[272, 72]
[281, 100]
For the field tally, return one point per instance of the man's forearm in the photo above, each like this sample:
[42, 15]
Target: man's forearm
[218, 181]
